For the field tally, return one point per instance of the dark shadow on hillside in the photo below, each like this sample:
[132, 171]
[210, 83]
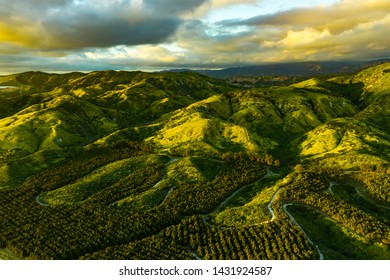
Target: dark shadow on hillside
[352, 91]
[341, 245]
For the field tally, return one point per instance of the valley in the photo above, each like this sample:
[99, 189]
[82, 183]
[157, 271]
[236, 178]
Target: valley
[179, 165]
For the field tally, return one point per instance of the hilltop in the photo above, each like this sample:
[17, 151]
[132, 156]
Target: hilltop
[181, 155]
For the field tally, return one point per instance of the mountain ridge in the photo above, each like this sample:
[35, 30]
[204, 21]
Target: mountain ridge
[308, 68]
[194, 164]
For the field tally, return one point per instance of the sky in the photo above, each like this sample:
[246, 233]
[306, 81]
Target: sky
[88, 35]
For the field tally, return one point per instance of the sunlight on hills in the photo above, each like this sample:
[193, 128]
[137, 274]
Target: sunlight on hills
[104, 164]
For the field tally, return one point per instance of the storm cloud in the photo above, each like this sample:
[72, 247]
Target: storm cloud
[173, 6]
[92, 30]
[147, 34]
[66, 24]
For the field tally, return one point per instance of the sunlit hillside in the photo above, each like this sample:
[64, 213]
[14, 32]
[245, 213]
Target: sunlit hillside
[134, 165]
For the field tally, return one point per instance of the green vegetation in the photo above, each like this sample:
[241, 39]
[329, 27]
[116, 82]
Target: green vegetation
[248, 206]
[193, 239]
[99, 179]
[353, 196]
[344, 244]
[132, 165]
[378, 185]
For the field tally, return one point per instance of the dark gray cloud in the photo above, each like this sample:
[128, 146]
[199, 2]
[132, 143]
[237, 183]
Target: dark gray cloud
[117, 34]
[77, 24]
[32, 4]
[93, 30]
[173, 6]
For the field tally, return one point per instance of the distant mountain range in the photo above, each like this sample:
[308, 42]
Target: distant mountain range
[291, 68]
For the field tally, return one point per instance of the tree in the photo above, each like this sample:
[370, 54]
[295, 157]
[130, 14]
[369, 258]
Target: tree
[299, 168]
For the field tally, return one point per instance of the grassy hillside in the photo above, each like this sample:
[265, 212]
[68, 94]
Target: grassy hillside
[98, 165]
[47, 112]
[346, 143]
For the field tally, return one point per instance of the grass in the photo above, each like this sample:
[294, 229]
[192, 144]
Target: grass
[344, 121]
[349, 194]
[284, 114]
[53, 127]
[193, 170]
[347, 142]
[188, 170]
[99, 179]
[342, 245]
[248, 206]
[376, 81]
[183, 129]
[6, 255]
[14, 172]
[310, 83]
[208, 168]
[188, 113]
[144, 201]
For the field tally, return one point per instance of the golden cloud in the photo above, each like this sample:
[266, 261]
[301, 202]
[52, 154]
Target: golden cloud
[337, 18]
[345, 30]
[348, 29]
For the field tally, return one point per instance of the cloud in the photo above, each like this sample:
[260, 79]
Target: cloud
[173, 6]
[77, 24]
[337, 18]
[224, 3]
[97, 30]
[210, 6]
[145, 55]
[220, 49]
[113, 34]
[345, 30]
[303, 37]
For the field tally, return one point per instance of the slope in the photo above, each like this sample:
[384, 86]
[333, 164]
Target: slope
[101, 165]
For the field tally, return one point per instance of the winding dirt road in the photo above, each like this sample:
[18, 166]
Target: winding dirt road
[37, 200]
[292, 219]
[269, 207]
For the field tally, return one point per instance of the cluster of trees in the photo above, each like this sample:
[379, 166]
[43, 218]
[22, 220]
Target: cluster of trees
[274, 240]
[351, 195]
[135, 183]
[308, 189]
[151, 248]
[378, 185]
[33, 231]
[190, 199]
[305, 183]
[193, 238]
[173, 229]
[350, 217]
[88, 161]
[334, 241]
[332, 173]
[254, 157]
[377, 168]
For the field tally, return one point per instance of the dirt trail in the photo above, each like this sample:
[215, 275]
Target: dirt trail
[292, 219]
[223, 203]
[40, 202]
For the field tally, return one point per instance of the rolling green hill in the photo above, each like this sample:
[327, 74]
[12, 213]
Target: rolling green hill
[101, 165]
